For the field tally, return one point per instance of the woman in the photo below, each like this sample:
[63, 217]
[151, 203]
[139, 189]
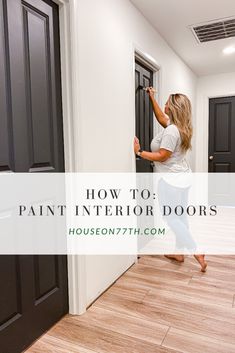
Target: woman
[168, 154]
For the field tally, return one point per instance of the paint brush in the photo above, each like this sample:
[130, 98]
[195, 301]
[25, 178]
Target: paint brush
[143, 88]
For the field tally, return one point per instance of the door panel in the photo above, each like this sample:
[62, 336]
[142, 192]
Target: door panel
[10, 294]
[143, 114]
[42, 63]
[222, 135]
[6, 132]
[16, 81]
[45, 285]
[34, 295]
[36, 39]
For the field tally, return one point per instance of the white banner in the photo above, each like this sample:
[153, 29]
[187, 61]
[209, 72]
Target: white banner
[117, 213]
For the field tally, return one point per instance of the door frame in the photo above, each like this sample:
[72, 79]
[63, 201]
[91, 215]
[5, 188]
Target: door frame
[71, 130]
[151, 63]
[203, 149]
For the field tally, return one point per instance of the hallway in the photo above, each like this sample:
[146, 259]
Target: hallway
[158, 305]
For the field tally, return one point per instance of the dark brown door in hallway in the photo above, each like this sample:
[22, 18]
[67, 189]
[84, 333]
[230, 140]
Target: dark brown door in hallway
[143, 114]
[222, 135]
[33, 293]
[144, 132]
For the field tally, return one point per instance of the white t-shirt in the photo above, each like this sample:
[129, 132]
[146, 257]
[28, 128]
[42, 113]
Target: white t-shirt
[170, 140]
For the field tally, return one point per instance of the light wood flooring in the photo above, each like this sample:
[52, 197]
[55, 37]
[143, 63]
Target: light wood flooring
[157, 306]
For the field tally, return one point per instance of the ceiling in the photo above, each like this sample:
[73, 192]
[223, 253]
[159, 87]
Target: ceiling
[173, 18]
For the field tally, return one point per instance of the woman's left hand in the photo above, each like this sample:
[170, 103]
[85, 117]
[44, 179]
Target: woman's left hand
[136, 144]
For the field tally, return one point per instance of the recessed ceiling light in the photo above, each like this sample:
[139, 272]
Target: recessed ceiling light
[229, 50]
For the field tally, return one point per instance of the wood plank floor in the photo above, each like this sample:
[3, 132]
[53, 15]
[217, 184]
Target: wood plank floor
[157, 306]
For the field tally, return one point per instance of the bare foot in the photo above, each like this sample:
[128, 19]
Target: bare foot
[179, 258]
[202, 262]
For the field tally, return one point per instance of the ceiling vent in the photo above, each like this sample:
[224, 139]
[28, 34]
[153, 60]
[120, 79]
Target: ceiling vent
[219, 29]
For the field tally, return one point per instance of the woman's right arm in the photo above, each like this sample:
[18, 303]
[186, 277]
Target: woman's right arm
[161, 117]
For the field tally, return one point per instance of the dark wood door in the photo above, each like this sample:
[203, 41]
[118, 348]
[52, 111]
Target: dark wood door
[33, 293]
[222, 135]
[143, 114]
[144, 131]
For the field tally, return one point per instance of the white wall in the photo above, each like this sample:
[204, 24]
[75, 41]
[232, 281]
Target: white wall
[108, 30]
[108, 33]
[209, 87]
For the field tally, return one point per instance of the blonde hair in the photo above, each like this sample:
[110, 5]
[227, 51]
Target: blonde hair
[180, 113]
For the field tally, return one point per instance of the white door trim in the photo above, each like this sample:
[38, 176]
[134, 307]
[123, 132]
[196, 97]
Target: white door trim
[71, 114]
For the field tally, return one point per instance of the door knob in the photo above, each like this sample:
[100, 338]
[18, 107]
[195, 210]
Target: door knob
[211, 158]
